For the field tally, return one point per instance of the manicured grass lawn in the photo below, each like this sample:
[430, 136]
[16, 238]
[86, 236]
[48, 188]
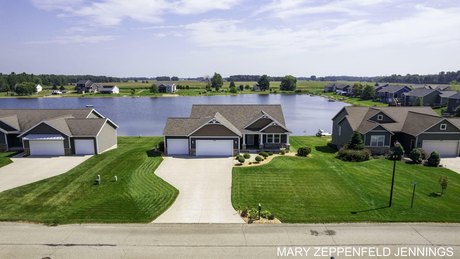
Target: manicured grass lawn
[321, 188]
[5, 158]
[138, 195]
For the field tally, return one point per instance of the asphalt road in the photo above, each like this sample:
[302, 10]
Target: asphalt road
[224, 240]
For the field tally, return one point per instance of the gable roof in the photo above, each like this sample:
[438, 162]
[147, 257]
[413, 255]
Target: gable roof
[234, 117]
[455, 96]
[11, 122]
[393, 88]
[421, 92]
[85, 127]
[446, 94]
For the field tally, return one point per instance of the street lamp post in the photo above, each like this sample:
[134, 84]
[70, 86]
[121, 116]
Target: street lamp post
[413, 195]
[393, 156]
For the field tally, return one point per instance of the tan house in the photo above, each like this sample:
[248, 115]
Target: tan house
[226, 130]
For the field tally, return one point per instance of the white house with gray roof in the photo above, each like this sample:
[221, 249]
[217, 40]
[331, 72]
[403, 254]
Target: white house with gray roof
[56, 132]
[226, 130]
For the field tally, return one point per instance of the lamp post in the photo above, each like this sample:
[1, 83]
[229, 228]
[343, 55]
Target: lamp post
[413, 195]
[393, 156]
[259, 207]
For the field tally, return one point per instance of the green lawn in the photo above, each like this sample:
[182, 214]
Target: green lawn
[321, 188]
[138, 195]
[5, 158]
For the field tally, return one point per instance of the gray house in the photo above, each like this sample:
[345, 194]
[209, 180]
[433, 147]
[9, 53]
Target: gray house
[411, 126]
[225, 130]
[427, 97]
[86, 86]
[56, 132]
[393, 94]
[167, 88]
[453, 102]
[445, 95]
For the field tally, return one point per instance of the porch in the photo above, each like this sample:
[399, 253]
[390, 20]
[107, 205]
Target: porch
[265, 141]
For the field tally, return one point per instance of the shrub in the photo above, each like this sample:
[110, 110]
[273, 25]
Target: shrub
[246, 155]
[303, 151]
[264, 214]
[238, 157]
[282, 152]
[416, 156]
[254, 213]
[264, 154]
[397, 152]
[244, 213]
[351, 155]
[161, 146]
[271, 216]
[433, 160]
[259, 159]
[241, 160]
[270, 153]
[356, 141]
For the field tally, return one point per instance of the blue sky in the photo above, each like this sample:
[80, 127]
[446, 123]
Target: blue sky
[191, 38]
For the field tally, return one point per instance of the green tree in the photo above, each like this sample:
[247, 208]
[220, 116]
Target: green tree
[418, 101]
[62, 88]
[457, 111]
[216, 81]
[434, 159]
[26, 88]
[288, 83]
[356, 141]
[133, 91]
[263, 83]
[357, 89]
[241, 87]
[154, 88]
[443, 181]
[416, 155]
[54, 87]
[368, 93]
[232, 84]
[398, 151]
[247, 87]
[232, 87]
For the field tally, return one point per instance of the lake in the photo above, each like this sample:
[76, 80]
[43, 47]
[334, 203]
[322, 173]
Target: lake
[145, 116]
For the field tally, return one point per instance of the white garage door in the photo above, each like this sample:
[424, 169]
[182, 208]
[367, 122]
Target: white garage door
[84, 147]
[214, 147]
[177, 146]
[46, 147]
[446, 148]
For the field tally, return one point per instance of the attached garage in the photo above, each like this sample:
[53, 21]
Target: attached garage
[46, 145]
[84, 147]
[446, 148]
[177, 146]
[214, 147]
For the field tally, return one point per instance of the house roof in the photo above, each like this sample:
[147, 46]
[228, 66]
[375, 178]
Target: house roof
[234, 117]
[83, 82]
[11, 121]
[446, 94]
[421, 92]
[392, 88]
[24, 119]
[406, 119]
[455, 96]
[85, 127]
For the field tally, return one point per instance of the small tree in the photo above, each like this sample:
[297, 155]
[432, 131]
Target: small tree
[434, 159]
[54, 87]
[241, 159]
[216, 81]
[288, 83]
[398, 151]
[416, 156]
[263, 83]
[247, 87]
[233, 90]
[368, 93]
[443, 181]
[457, 111]
[133, 91]
[154, 88]
[232, 84]
[241, 87]
[62, 88]
[356, 141]
[303, 151]
[357, 89]
[418, 101]
[26, 88]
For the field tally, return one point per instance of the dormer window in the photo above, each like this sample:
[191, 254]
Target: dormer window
[380, 117]
[443, 127]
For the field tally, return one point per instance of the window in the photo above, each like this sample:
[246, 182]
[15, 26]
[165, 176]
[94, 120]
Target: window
[340, 130]
[269, 138]
[276, 138]
[443, 127]
[273, 138]
[377, 141]
[380, 117]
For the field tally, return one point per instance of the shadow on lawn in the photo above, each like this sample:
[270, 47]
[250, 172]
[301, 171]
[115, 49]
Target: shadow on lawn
[325, 149]
[369, 210]
[153, 153]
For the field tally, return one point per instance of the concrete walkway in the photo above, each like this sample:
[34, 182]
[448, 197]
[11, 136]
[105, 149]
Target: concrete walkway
[25, 170]
[451, 163]
[204, 185]
[218, 240]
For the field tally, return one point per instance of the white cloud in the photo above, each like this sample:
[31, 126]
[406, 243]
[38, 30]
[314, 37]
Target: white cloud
[76, 39]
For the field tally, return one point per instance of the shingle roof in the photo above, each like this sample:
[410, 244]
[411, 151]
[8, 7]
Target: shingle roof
[359, 118]
[27, 118]
[85, 127]
[233, 116]
[392, 88]
[455, 96]
[445, 94]
[11, 122]
[420, 92]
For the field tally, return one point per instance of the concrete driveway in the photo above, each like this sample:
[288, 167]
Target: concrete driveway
[451, 163]
[205, 186]
[25, 170]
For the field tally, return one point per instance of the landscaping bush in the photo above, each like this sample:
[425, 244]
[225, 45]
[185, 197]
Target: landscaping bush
[241, 160]
[264, 214]
[244, 213]
[397, 152]
[259, 159]
[238, 157]
[264, 154]
[282, 152]
[356, 141]
[270, 153]
[271, 216]
[254, 213]
[416, 155]
[433, 160]
[161, 146]
[247, 155]
[351, 155]
[303, 151]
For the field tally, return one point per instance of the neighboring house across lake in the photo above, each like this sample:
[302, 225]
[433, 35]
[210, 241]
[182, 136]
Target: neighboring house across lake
[445, 95]
[167, 88]
[343, 89]
[109, 89]
[56, 132]
[422, 97]
[226, 130]
[411, 126]
[86, 86]
[393, 94]
[453, 103]
[38, 88]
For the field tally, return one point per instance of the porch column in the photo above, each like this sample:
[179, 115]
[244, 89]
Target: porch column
[244, 139]
[261, 141]
[287, 139]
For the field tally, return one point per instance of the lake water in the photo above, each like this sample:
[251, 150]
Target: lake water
[144, 116]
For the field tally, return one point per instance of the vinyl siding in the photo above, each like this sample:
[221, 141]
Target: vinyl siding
[450, 128]
[107, 138]
[274, 129]
[345, 137]
[259, 124]
[2, 138]
[214, 130]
